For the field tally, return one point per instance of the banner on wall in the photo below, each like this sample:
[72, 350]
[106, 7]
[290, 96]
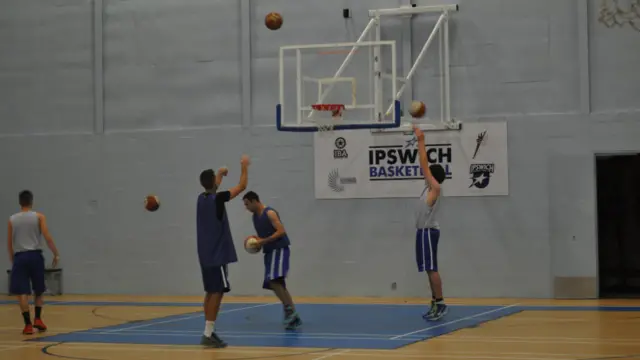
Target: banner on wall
[359, 164]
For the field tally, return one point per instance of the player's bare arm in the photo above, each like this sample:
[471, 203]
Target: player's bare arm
[242, 185]
[434, 186]
[221, 173]
[10, 241]
[47, 236]
[275, 221]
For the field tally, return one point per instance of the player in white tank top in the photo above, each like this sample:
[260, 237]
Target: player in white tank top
[26, 229]
[428, 229]
[425, 213]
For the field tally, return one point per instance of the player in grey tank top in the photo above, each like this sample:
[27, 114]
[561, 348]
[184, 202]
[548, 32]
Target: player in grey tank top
[428, 229]
[26, 230]
[425, 213]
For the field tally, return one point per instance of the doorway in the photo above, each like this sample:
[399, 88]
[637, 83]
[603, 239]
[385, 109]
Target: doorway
[618, 194]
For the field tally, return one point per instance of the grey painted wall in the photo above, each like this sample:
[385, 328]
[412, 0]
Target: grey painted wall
[180, 86]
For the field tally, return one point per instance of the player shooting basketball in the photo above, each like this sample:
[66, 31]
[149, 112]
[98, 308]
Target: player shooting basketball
[428, 229]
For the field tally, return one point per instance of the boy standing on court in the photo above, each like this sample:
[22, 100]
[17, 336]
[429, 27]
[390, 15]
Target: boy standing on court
[275, 244]
[215, 244]
[24, 242]
[428, 229]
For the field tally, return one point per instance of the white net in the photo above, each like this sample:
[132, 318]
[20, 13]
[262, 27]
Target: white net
[327, 116]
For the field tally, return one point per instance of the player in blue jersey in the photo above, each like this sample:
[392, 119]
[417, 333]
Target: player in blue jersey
[273, 239]
[215, 244]
[428, 229]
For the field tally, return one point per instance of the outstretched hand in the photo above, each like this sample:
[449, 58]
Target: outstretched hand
[244, 160]
[418, 132]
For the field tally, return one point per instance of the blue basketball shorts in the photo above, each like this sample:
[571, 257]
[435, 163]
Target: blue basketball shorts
[276, 266]
[427, 249]
[215, 279]
[27, 273]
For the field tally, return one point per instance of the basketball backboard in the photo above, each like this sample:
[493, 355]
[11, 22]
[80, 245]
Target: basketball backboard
[363, 78]
[317, 74]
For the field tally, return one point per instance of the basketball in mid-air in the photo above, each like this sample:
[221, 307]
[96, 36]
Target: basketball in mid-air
[273, 20]
[418, 109]
[151, 203]
[251, 245]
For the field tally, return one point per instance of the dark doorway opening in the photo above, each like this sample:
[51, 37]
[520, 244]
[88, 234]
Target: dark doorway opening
[618, 192]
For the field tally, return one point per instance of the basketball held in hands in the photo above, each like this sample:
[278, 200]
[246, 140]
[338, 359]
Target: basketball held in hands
[251, 245]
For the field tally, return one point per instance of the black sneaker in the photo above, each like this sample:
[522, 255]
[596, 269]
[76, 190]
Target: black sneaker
[213, 341]
[431, 312]
[294, 322]
[441, 311]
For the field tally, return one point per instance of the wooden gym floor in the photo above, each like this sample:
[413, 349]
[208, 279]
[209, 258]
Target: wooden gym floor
[119, 327]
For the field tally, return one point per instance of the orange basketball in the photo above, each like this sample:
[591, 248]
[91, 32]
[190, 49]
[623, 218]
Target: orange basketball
[151, 203]
[273, 21]
[418, 109]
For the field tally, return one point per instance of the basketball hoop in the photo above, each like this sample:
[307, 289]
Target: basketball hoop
[326, 123]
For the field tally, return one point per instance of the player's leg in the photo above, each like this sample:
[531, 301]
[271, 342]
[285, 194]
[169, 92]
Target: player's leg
[433, 238]
[216, 284]
[207, 297]
[422, 259]
[276, 269]
[427, 261]
[37, 270]
[21, 287]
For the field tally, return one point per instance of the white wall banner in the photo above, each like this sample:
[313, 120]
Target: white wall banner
[358, 164]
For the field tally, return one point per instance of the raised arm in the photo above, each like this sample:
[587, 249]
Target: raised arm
[47, 236]
[222, 172]
[424, 164]
[10, 241]
[242, 184]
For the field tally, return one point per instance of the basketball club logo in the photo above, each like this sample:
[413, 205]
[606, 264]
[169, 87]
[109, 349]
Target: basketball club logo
[337, 183]
[340, 152]
[479, 140]
[481, 174]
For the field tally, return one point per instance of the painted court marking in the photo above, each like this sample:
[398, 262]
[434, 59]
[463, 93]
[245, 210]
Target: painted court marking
[352, 352]
[199, 314]
[332, 354]
[328, 352]
[452, 322]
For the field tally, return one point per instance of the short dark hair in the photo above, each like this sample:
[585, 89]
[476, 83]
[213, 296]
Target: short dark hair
[438, 172]
[25, 198]
[251, 196]
[206, 179]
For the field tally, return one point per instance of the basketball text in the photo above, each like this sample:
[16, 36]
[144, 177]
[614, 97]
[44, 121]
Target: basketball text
[402, 163]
